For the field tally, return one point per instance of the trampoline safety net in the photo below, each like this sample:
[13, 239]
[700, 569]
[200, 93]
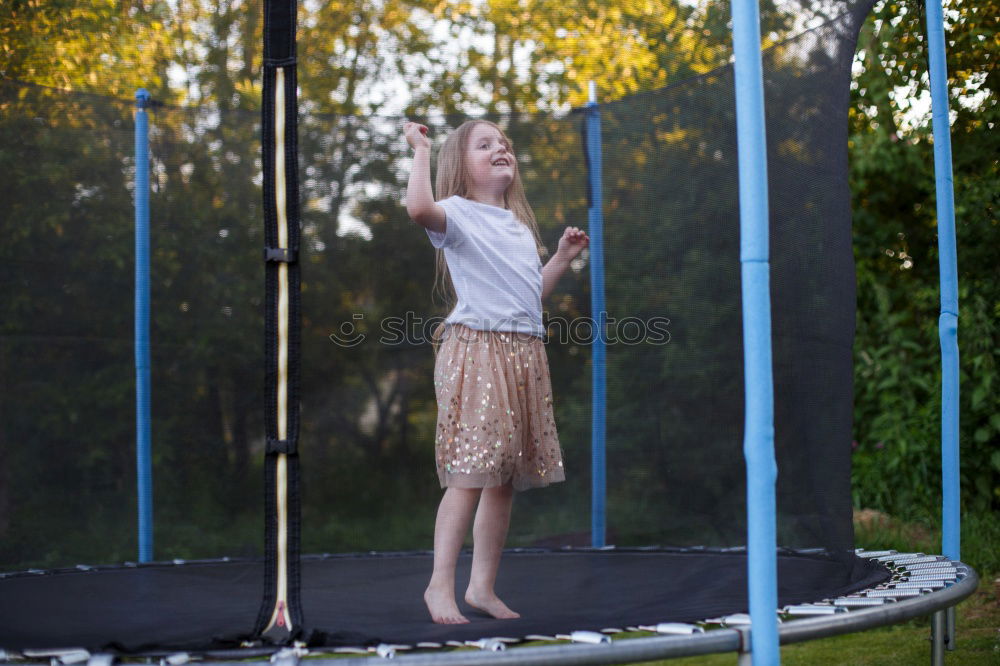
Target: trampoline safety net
[675, 467]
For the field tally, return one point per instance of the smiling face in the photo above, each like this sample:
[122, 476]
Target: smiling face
[490, 161]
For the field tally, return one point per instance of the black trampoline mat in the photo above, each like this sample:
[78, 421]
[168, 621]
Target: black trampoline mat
[365, 600]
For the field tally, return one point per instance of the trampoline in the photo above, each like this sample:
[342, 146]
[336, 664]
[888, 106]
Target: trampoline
[348, 599]
[373, 602]
[661, 549]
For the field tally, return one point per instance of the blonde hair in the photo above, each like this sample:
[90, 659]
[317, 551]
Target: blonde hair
[453, 179]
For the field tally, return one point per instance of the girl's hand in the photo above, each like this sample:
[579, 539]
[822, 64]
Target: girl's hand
[572, 243]
[416, 135]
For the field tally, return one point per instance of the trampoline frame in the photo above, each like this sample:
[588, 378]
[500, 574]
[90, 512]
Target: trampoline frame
[908, 594]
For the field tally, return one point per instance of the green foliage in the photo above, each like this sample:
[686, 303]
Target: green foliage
[98, 45]
[897, 366]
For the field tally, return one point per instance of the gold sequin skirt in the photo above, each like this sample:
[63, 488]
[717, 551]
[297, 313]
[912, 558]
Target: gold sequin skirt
[495, 423]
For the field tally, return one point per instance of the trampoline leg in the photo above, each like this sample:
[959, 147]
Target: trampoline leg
[949, 636]
[937, 638]
[744, 656]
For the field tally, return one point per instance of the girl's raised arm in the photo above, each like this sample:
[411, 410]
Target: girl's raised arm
[420, 203]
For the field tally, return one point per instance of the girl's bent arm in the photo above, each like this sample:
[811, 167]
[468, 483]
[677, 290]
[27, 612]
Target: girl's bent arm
[419, 198]
[551, 273]
[570, 245]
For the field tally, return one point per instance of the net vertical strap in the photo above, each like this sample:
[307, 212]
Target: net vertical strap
[280, 616]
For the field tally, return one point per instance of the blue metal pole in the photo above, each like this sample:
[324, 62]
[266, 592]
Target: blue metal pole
[758, 439]
[143, 457]
[598, 353]
[948, 265]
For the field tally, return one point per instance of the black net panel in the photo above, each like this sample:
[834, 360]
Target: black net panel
[675, 410]
[675, 384]
[67, 354]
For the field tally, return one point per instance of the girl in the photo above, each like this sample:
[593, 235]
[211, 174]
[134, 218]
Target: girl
[495, 430]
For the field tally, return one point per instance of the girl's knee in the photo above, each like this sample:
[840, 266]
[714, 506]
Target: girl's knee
[463, 492]
[504, 490]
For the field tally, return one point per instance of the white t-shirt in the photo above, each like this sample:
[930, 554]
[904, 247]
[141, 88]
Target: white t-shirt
[494, 265]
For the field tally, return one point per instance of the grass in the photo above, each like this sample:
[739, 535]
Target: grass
[978, 641]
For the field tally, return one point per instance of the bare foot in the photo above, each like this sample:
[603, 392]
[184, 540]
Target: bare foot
[490, 603]
[442, 607]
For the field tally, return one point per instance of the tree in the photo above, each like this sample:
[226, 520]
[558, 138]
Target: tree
[897, 468]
